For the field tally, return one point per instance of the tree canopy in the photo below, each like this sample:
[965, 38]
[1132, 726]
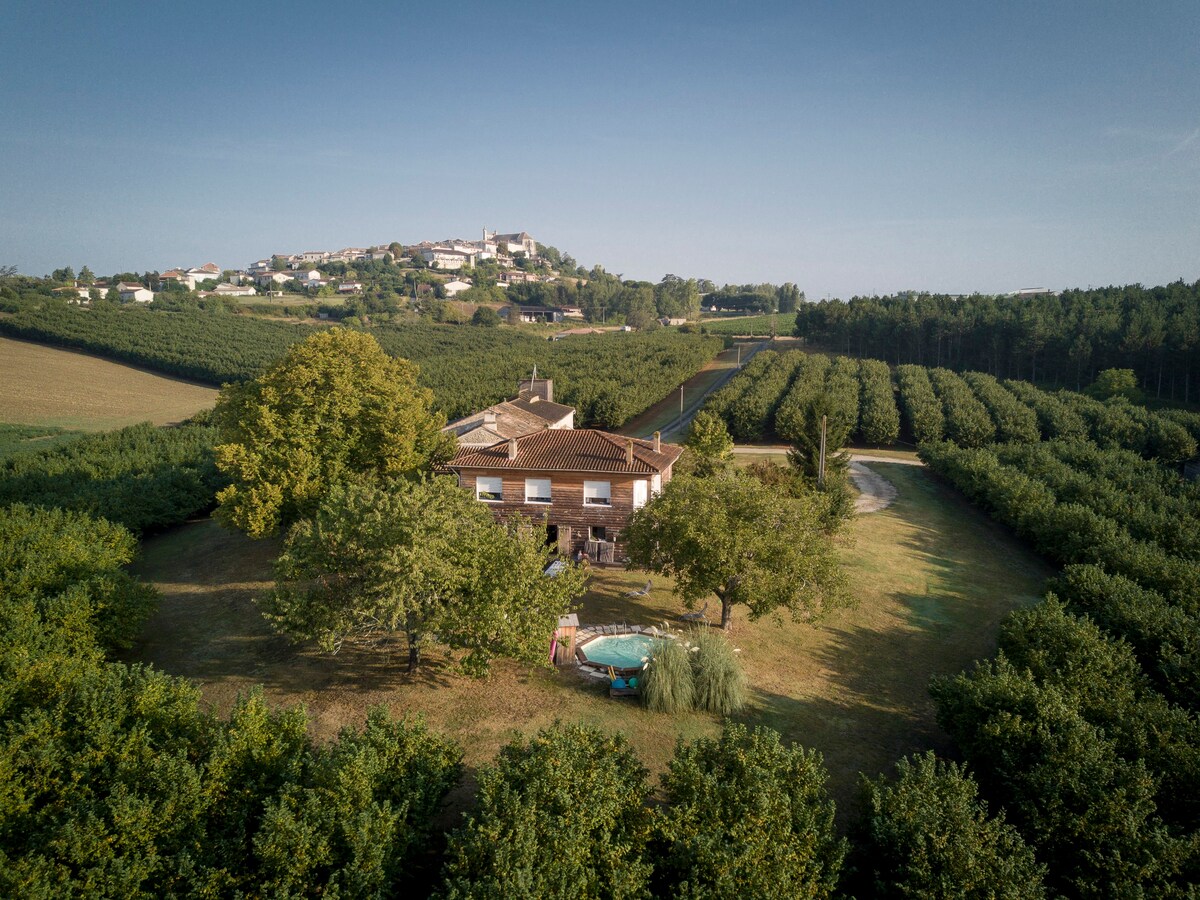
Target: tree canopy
[731, 536]
[747, 817]
[562, 816]
[424, 559]
[335, 407]
[927, 834]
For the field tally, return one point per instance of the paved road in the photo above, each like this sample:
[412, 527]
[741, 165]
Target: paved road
[866, 457]
[692, 404]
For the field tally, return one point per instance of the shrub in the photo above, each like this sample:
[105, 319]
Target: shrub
[667, 681]
[720, 684]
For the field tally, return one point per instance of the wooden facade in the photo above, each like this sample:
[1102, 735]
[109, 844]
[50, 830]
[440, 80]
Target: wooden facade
[570, 521]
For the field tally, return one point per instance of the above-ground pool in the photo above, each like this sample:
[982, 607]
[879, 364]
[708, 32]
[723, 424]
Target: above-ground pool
[623, 652]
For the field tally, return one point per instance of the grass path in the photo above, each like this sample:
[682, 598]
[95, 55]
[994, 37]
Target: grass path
[932, 578]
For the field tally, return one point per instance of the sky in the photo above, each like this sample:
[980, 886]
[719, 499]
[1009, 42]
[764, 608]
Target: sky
[849, 147]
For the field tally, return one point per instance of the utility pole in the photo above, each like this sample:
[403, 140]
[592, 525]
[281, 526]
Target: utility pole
[821, 462]
[680, 428]
[739, 348]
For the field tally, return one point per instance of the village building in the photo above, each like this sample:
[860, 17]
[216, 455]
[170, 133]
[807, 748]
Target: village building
[449, 258]
[132, 291]
[230, 290]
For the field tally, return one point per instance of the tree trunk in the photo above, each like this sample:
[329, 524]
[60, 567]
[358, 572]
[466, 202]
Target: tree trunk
[726, 614]
[414, 648]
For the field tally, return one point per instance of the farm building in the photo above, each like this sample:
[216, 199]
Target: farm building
[583, 484]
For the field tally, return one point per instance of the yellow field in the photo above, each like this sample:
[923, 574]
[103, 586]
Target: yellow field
[42, 385]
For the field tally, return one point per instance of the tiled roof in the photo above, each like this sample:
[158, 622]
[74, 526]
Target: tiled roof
[543, 409]
[575, 450]
[513, 418]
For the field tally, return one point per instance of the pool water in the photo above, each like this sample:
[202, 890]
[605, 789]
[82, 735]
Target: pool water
[621, 651]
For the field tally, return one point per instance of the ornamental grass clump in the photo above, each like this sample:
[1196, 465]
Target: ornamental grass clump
[719, 683]
[667, 679]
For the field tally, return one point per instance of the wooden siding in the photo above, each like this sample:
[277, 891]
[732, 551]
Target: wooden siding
[566, 509]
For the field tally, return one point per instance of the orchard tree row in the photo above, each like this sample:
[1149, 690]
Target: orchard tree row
[142, 477]
[1064, 339]
[782, 394]
[1085, 727]
[609, 377]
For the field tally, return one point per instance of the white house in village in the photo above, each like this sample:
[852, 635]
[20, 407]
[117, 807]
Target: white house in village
[456, 287]
[449, 258]
[309, 277]
[269, 279]
[230, 290]
[350, 287]
[134, 292]
[78, 294]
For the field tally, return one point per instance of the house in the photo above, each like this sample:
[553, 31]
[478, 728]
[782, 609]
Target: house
[456, 287]
[516, 276]
[78, 294]
[533, 409]
[582, 484]
[537, 314]
[269, 279]
[230, 290]
[135, 292]
[350, 287]
[308, 277]
[206, 272]
[665, 321]
[176, 276]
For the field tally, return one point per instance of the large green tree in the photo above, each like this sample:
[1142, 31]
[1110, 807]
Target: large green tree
[732, 536]
[420, 558]
[334, 408]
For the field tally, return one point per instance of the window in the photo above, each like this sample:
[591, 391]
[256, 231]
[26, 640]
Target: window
[641, 490]
[489, 488]
[597, 493]
[656, 485]
[597, 533]
[537, 490]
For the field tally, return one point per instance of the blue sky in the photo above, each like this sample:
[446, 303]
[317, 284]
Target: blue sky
[848, 147]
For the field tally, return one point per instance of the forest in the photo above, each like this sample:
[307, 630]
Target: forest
[1063, 340]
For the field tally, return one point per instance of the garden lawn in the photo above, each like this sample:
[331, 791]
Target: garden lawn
[931, 577]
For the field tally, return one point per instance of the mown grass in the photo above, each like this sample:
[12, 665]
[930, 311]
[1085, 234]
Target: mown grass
[931, 579]
[62, 389]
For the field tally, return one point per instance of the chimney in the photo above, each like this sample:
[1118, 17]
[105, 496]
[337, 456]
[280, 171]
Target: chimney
[657, 442]
[512, 448]
[629, 453]
[489, 418]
